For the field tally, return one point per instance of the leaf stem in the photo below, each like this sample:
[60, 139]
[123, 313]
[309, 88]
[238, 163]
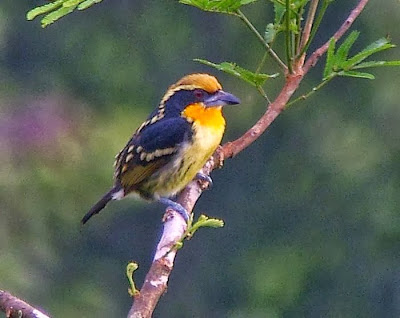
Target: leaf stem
[315, 27]
[263, 94]
[269, 50]
[262, 62]
[299, 17]
[312, 91]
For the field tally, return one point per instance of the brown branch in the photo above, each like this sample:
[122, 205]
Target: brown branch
[313, 59]
[17, 308]
[156, 280]
[155, 283]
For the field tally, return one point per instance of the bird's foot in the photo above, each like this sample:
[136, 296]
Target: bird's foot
[203, 177]
[177, 207]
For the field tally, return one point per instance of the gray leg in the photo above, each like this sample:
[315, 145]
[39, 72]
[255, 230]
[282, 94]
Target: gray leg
[204, 177]
[175, 206]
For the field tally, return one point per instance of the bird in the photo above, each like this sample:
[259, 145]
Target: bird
[168, 149]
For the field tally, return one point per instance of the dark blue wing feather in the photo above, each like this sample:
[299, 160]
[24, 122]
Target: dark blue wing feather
[165, 133]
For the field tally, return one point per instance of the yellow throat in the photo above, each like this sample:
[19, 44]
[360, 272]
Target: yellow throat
[207, 117]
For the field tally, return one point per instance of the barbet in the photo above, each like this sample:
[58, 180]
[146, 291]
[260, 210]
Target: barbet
[167, 151]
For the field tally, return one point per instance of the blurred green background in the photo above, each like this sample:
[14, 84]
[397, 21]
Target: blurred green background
[311, 209]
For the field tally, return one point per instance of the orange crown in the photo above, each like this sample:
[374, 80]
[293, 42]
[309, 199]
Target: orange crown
[203, 81]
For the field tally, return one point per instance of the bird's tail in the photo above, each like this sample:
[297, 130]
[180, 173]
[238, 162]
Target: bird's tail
[99, 205]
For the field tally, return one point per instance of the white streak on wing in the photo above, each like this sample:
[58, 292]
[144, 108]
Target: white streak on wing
[128, 158]
[118, 195]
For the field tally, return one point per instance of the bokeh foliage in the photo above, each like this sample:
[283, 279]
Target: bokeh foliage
[311, 209]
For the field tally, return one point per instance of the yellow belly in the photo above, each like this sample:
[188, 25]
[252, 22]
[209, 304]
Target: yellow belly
[208, 129]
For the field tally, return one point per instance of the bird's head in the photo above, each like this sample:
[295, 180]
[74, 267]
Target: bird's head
[197, 89]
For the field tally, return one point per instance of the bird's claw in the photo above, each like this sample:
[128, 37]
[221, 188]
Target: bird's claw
[203, 177]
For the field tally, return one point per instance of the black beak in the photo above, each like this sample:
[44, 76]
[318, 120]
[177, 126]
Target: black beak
[221, 98]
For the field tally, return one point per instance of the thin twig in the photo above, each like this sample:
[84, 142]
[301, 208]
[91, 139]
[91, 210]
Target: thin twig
[314, 29]
[309, 23]
[262, 62]
[288, 37]
[311, 92]
[270, 51]
[263, 94]
[299, 16]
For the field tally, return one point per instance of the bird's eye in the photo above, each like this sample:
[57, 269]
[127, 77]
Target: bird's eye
[199, 94]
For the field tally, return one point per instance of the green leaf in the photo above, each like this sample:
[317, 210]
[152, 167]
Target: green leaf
[356, 74]
[377, 46]
[130, 268]
[221, 6]
[280, 9]
[214, 223]
[343, 51]
[244, 2]
[330, 59]
[202, 221]
[71, 3]
[56, 15]
[299, 3]
[43, 9]
[339, 64]
[58, 9]
[376, 64]
[255, 79]
[279, 12]
[87, 3]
